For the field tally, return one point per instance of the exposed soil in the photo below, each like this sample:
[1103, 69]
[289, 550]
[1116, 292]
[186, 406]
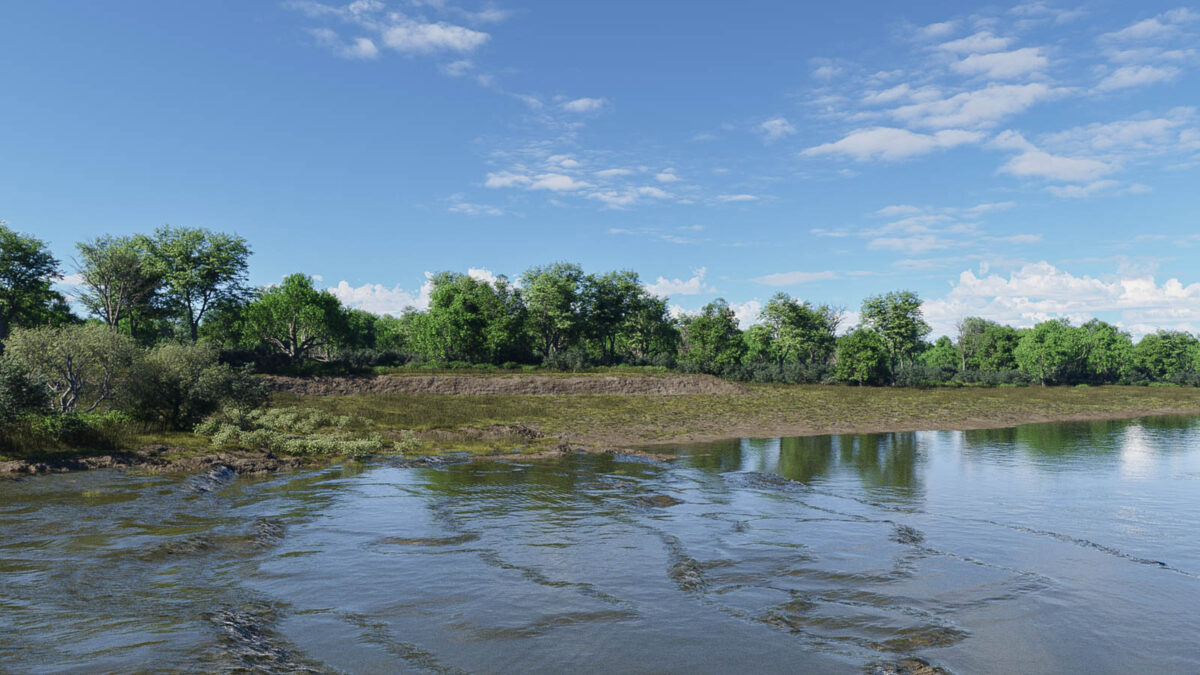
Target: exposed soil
[505, 384]
[154, 458]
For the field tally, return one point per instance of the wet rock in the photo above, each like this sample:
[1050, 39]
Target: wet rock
[655, 501]
[214, 479]
[908, 535]
[764, 481]
[178, 547]
[429, 462]
[909, 666]
[248, 643]
[268, 532]
[687, 574]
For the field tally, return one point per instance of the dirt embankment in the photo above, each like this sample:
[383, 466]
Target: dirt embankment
[502, 384]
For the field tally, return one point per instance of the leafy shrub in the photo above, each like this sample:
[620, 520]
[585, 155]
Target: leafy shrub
[572, 359]
[96, 430]
[921, 376]
[20, 394]
[292, 431]
[176, 385]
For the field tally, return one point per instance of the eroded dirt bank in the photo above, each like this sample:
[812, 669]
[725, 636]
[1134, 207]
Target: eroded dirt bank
[523, 385]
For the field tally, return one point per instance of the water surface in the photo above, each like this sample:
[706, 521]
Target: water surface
[1044, 548]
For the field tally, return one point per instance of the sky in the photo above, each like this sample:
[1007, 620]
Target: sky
[1017, 161]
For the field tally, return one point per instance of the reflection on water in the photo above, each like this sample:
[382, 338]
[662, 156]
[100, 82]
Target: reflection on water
[1044, 548]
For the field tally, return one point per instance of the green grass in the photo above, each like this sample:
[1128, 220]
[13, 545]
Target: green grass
[605, 419]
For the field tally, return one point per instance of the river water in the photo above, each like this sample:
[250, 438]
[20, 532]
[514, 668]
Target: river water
[1044, 548]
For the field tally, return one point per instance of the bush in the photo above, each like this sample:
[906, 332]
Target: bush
[20, 394]
[98, 431]
[572, 359]
[921, 376]
[176, 385]
[293, 431]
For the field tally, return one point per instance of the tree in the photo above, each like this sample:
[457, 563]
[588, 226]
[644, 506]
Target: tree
[554, 300]
[82, 365]
[200, 268]
[1165, 354]
[862, 358]
[20, 394]
[296, 319]
[943, 354]
[648, 328]
[1109, 351]
[986, 345]
[1053, 352]
[898, 320]
[120, 279]
[27, 270]
[469, 319]
[608, 301]
[712, 339]
[801, 331]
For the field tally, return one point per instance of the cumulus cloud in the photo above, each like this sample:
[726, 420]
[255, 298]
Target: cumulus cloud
[737, 198]
[358, 48]
[1159, 26]
[584, 105]
[889, 143]
[618, 199]
[746, 313]
[794, 278]
[775, 129]
[421, 38]
[664, 287]
[556, 182]
[379, 299]
[1040, 291]
[666, 176]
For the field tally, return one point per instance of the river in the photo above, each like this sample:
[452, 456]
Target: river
[1043, 548]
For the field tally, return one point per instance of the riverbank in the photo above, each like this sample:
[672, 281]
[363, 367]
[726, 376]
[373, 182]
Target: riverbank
[528, 416]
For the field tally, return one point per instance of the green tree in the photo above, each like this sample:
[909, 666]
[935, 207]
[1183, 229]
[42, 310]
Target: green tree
[200, 269]
[469, 319]
[1052, 352]
[943, 354]
[81, 365]
[27, 270]
[712, 339]
[760, 345]
[801, 332]
[20, 394]
[296, 319]
[898, 320]
[119, 277]
[1109, 351]
[1165, 354]
[553, 296]
[862, 358]
[608, 300]
[649, 329]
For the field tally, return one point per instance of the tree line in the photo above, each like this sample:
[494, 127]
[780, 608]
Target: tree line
[173, 329]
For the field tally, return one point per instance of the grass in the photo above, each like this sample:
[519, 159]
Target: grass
[501, 424]
[765, 410]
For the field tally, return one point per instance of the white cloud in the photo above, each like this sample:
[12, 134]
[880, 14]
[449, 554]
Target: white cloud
[1003, 65]
[482, 274]
[618, 199]
[664, 287]
[889, 143]
[979, 43]
[504, 179]
[935, 31]
[979, 108]
[1081, 191]
[458, 68]
[1137, 76]
[458, 204]
[584, 105]
[914, 244]
[358, 48]
[379, 299]
[794, 278]
[1156, 27]
[613, 173]
[898, 210]
[737, 198]
[1037, 163]
[415, 37]
[556, 182]
[746, 313]
[775, 129]
[666, 176]
[1039, 291]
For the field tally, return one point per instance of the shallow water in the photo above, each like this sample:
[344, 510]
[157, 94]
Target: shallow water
[1045, 548]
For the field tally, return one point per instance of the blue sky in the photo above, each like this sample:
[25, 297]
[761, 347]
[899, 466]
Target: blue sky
[1016, 161]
